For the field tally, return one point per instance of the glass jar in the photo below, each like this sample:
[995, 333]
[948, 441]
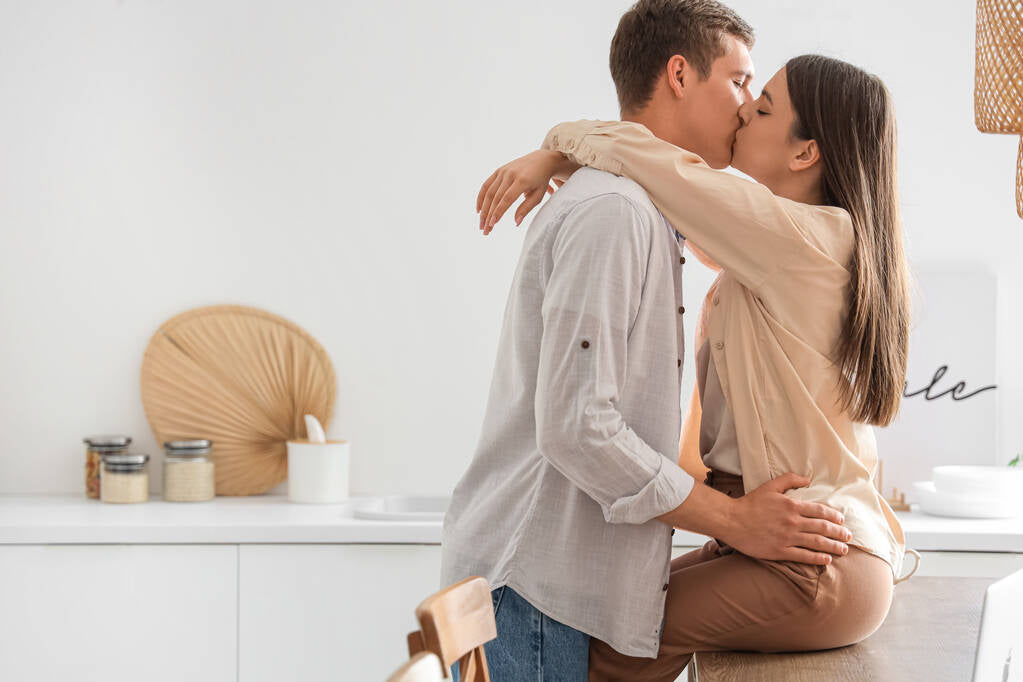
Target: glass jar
[188, 471]
[125, 478]
[96, 447]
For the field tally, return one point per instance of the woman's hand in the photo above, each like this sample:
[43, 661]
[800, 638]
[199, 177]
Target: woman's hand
[529, 176]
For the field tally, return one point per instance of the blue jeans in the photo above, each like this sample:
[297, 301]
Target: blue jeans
[530, 646]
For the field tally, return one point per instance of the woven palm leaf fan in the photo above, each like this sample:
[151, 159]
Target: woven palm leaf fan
[243, 378]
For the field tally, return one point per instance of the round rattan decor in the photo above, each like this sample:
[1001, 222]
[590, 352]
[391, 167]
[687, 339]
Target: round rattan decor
[243, 378]
[998, 88]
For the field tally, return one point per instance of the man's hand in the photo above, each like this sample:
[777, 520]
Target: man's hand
[766, 524]
[769, 525]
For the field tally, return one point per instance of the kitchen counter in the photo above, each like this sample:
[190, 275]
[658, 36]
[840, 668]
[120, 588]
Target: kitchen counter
[73, 519]
[243, 583]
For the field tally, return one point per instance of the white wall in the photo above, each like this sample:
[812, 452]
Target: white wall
[321, 160]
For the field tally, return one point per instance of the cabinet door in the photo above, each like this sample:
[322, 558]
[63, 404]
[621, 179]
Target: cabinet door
[966, 564]
[954, 564]
[330, 612]
[113, 613]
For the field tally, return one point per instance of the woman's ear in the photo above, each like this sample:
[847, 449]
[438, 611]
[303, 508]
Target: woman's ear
[678, 73]
[808, 155]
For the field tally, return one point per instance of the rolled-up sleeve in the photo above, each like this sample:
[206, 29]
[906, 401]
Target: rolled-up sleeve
[740, 224]
[591, 297]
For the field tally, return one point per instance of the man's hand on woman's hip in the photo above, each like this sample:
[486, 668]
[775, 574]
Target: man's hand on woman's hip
[766, 523]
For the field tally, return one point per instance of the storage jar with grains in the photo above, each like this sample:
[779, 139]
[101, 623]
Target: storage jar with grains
[188, 471]
[96, 447]
[125, 478]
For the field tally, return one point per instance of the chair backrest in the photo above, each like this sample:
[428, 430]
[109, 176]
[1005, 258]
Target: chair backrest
[423, 667]
[455, 624]
[1001, 632]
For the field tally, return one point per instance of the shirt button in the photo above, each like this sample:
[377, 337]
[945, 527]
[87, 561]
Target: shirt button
[672, 531]
[665, 588]
[585, 344]
[680, 362]
[716, 300]
[681, 310]
[681, 260]
[719, 345]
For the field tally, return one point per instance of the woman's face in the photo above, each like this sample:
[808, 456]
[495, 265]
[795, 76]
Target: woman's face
[765, 146]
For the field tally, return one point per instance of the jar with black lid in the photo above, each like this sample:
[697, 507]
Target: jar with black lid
[96, 447]
[188, 474]
[124, 478]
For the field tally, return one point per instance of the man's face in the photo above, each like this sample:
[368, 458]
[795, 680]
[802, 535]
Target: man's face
[709, 110]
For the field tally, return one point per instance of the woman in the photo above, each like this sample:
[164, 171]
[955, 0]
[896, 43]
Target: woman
[802, 345]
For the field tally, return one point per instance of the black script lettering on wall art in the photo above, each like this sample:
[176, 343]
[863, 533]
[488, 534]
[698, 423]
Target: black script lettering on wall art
[956, 391]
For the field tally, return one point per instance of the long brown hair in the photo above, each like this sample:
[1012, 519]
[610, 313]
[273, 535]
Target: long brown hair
[850, 114]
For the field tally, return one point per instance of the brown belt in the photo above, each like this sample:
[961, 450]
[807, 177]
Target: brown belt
[729, 484]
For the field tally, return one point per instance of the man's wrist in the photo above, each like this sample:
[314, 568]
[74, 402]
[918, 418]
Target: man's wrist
[730, 523]
[706, 511]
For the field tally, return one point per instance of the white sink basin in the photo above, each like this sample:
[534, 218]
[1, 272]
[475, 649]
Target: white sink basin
[403, 508]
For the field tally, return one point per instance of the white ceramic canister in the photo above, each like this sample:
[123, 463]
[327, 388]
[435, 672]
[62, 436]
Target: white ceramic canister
[318, 472]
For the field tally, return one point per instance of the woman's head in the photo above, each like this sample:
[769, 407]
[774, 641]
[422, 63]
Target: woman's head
[823, 131]
[768, 149]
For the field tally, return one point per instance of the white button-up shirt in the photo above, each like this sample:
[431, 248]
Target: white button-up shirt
[577, 455]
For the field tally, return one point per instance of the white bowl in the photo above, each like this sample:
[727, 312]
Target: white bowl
[403, 508]
[979, 481]
[933, 501]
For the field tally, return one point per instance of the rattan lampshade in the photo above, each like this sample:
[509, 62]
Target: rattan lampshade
[243, 378]
[998, 90]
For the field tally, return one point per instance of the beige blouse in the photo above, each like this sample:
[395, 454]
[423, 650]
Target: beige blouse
[774, 319]
[719, 449]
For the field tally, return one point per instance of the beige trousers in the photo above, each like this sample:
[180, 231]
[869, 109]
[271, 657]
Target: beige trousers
[721, 600]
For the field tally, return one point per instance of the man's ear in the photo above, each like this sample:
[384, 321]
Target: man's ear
[678, 73]
[809, 155]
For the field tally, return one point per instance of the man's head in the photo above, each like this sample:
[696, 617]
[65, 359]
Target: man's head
[682, 68]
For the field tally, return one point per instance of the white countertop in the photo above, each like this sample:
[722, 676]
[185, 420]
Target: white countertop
[73, 519]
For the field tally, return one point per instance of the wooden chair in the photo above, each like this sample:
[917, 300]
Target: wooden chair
[455, 624]
[423, 667]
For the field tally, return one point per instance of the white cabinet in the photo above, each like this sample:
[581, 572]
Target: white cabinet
[317, 595]
[330, 612]
[966, 564]
[947, 564]
[118, 613]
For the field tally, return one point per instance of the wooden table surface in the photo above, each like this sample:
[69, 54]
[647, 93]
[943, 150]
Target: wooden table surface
[930, 634]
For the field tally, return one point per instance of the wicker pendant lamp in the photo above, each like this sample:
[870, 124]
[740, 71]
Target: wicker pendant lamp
[998, 92]
[243, 378]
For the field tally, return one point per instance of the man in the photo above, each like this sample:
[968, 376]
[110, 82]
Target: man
[570, 501]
